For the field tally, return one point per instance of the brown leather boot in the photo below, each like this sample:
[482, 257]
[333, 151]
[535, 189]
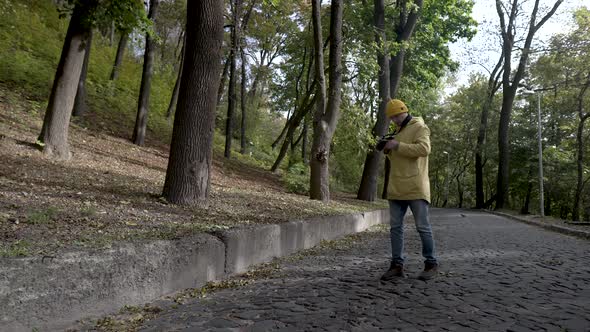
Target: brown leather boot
[430, 271]
[396, 270]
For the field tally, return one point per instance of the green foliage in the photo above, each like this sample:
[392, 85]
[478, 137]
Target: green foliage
[28, 61]
[256, 157]
[441, 23]
[454, 129]
[43, 216]
[88, 211]
[125, 14]
[18, 248]
[349, 146]
[564, 68]
[296, 178]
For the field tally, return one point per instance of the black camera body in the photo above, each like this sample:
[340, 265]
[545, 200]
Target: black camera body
[383, 140]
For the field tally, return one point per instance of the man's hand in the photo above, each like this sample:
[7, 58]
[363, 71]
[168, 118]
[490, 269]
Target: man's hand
[390, 145]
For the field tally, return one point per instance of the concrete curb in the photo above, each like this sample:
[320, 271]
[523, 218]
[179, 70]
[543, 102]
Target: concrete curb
[52, 293]
[551, 227]
[49, 294]
[249, 246]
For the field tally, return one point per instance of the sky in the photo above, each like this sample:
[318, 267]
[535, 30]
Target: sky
[479, 49]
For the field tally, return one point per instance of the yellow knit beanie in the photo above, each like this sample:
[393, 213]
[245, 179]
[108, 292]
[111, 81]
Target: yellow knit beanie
[395, 107]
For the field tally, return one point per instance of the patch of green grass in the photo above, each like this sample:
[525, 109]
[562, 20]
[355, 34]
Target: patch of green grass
[19, 248]
[88, 211]
[296, 179]
[43, 216]
[261, 271]
[129, 318]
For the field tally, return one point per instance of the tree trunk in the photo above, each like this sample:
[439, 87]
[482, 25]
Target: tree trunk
[510, 84]
[460, 191]
[404, 29]
[174, 98]
[119, 58]
[231, 105]
[112, 34]
[304, 143]
[146, 83]
[298, 103]
[368, 186]
[221, 89]
[294, 122]
[244, 100]
[548, 205]
[179, 45]
[315, 179]
[492, 88]
[54, 133]
[504, 148]
[326, 118]
[243, 138]
[529, 190]
[580, 152]
[580, 171]
[188, 175]
[80, 106]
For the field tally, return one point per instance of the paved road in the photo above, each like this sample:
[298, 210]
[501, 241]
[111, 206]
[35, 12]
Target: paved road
[497, 275]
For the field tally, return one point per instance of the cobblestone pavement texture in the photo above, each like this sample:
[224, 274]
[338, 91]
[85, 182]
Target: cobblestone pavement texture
[496, 275]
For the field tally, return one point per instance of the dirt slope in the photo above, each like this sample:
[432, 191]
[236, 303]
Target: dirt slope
[110, 190]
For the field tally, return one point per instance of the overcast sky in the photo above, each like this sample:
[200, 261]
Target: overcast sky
[484, 49]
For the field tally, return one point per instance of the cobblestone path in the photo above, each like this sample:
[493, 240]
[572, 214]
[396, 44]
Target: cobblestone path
[497, 275]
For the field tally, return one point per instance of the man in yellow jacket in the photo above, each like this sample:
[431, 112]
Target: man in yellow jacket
[409, 185]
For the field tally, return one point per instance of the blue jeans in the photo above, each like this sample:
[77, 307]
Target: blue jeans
[397, 211]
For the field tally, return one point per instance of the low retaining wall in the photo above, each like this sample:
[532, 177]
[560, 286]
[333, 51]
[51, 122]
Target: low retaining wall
[52, 293]
[249, 246]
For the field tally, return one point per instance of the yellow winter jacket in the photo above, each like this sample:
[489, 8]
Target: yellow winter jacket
[408, 178]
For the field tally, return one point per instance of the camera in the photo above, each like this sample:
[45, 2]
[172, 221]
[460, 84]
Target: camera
[383, 140]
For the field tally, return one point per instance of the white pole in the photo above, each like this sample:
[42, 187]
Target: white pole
[539, 139]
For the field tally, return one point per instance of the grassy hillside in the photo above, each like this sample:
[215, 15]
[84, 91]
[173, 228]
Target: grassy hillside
[110, 190]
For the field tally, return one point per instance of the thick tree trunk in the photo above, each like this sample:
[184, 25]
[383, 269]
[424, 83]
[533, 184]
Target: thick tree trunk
[318, 156]
[396, 67]
[510, 82]
[146, 83]
[492, 87]
[232, 100]
[504, 148]
[580, 147]
[368, 186]
[580, 171]
[188, 175]
[174, 98]
[80, 106]
[304, 131]
[326, 118]
[54, 133]
[119, 58]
